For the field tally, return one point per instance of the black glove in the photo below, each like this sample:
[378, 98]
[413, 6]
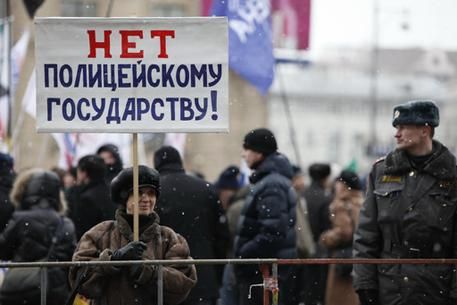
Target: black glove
[368, 296]
[131, 251]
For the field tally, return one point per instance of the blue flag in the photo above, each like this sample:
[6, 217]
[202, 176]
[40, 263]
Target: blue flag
[250, 39]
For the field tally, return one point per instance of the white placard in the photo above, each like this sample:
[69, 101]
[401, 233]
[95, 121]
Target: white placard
[132, 74]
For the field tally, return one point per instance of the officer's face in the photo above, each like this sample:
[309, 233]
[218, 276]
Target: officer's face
[251, 157]
[147, 201]
[411, 137]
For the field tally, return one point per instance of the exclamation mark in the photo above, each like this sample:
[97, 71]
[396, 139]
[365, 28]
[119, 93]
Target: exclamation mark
[214, 116]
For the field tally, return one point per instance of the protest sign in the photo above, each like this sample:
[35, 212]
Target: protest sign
[132, 75]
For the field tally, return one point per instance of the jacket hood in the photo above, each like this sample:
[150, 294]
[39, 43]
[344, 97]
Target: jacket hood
[38, 187]
[274, 163]
[441, 163]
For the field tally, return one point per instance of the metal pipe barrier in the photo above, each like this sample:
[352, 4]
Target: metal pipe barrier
[270, 283]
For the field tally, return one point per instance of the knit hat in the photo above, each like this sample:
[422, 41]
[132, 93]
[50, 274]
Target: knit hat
[421, 112]
[166, 155]
[261, 140]
[228, 179]
[319, 171]
[351, 180]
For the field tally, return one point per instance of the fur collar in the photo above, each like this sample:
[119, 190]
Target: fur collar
[441, 165]
[150, 228]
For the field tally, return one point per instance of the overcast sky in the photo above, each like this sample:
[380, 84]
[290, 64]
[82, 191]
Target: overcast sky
[431, 23]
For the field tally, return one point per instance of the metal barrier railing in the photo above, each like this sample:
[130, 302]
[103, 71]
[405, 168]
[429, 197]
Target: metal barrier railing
[270, 284]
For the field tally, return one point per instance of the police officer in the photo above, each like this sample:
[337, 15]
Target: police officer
[409, 212]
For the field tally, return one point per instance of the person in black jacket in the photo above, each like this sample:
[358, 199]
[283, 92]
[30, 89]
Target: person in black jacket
[37, 220]
[7, 176]
[189, 205]
[89, 201]
[318, 201]
[410, 211]
[266, 228]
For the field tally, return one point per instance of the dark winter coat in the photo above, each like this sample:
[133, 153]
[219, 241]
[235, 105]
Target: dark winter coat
[6, 206]
[409, 213]
[267, 223]
[89, 204]
[318, 209]
[190, 206]
[110, 285]
[29, 233]
[319, 220]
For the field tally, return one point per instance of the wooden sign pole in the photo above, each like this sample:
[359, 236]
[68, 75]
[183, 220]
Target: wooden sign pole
[135, 188]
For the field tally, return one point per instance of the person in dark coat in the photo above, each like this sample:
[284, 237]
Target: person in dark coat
[318, 201]
[409, 212]
[7, 176]
[227, 186]
[189, 205]
[113, 241]
[89, 201]
[37, 220]
[113, 161]
[266, 228]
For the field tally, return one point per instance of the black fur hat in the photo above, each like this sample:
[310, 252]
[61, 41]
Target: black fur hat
[122, 184]
[420, 112]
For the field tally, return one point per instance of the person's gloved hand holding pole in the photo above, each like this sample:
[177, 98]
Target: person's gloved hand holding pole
[132, 251]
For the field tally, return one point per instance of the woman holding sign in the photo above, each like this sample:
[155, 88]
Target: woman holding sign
[113, 241]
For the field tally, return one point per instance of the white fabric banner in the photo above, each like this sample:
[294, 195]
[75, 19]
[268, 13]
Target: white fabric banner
[132, 74]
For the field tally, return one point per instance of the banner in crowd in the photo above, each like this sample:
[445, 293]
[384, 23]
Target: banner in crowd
[250, 39]
[132, 75]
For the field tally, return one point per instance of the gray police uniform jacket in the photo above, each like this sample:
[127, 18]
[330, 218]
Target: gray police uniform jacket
[409, 213]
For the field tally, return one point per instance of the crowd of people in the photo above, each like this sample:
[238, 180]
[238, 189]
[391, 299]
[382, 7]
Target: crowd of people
[406, 208]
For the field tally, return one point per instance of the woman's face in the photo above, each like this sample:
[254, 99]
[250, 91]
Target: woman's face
[147, 197]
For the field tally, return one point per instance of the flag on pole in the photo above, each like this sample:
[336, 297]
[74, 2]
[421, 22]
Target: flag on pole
[250, 39]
